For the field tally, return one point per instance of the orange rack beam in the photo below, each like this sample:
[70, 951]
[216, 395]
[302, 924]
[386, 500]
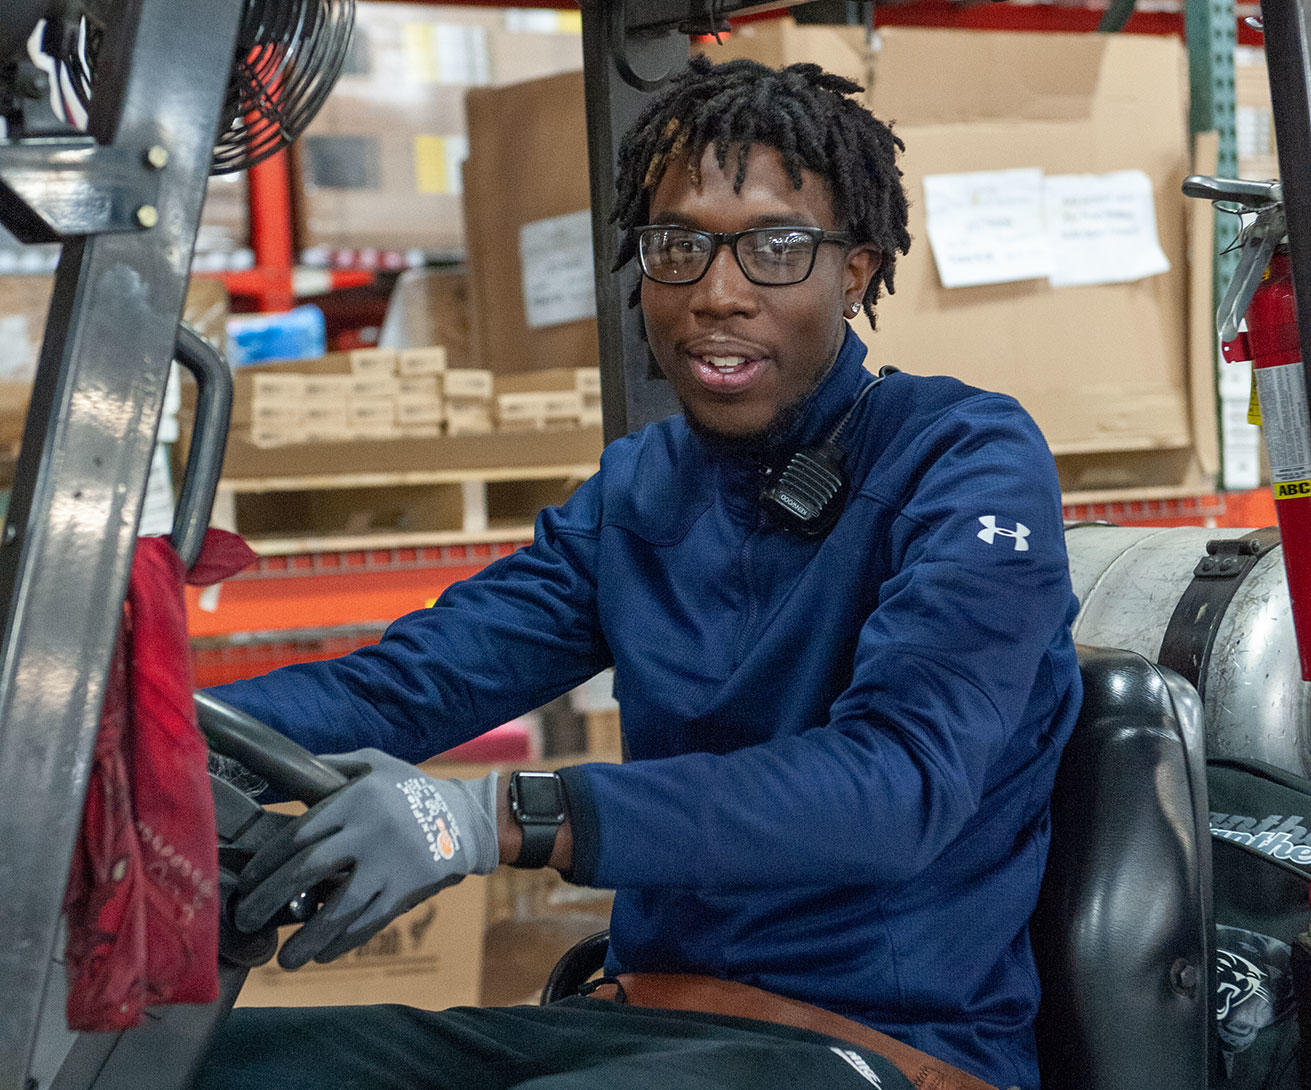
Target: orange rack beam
[331, 590]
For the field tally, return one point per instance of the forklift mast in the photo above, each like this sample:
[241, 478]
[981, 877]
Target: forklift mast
[124, 200]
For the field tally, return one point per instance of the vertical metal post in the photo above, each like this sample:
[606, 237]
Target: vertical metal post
[630, 397]
[1211, 37]
[81, 476]
[1288, 57]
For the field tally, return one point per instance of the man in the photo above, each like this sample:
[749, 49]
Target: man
[844, 712]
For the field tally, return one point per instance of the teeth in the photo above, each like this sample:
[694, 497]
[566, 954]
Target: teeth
[726, 363]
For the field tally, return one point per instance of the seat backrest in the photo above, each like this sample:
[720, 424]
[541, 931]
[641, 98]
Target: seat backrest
[1123, 930]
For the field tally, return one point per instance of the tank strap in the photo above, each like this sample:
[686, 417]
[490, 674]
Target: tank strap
[1186, 645]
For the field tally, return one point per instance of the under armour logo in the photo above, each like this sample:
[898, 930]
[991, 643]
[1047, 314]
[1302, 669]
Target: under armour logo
[991, 531]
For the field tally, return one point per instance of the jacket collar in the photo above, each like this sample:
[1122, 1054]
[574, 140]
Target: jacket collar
[831, 398]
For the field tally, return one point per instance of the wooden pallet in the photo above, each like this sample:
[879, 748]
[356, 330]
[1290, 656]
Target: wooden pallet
[284, 515]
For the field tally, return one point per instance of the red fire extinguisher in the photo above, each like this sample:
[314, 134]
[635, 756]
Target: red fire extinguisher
[1271, 343]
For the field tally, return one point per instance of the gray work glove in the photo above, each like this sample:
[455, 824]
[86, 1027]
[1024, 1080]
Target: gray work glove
[388, 840]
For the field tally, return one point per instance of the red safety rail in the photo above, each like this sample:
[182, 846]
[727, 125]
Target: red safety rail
[366, 587]
[219, 661]
[1244, 509]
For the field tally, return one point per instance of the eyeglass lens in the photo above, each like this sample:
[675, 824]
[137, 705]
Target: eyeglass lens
[767, 255]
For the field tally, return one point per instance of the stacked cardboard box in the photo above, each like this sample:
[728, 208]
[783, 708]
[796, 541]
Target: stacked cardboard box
[1123, 391]
[383, 448]
[368, 393]
[379, 167]
[468, 408]
[562, 397]
[377, 393]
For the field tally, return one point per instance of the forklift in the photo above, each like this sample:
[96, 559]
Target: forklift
[173, 90]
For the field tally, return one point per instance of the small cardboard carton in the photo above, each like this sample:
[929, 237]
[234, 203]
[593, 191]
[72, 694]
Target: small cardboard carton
[431, 958]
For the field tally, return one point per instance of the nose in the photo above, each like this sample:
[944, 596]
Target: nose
[724, 291]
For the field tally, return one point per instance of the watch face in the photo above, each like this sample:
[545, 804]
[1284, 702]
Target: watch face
[538, 796]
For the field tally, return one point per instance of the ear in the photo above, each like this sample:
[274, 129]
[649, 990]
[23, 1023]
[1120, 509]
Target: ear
[862, 264]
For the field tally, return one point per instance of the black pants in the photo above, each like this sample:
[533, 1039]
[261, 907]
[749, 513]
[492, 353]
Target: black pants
[577, 1043]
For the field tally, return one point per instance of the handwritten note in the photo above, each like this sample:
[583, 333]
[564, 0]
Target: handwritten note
[1102, 228]
[986, 227]
[993, 227]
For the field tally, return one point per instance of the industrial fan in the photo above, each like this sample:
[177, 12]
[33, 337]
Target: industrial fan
[114, 114]
[288, 56]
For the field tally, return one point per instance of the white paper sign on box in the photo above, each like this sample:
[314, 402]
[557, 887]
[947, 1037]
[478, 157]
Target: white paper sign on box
[1102, 228]
[555, 256]
[985, 227]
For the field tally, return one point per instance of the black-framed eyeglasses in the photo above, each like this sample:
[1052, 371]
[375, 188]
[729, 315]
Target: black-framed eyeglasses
[671, 254]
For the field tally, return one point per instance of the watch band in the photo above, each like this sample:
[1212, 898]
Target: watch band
[538, 843]
[537, 803]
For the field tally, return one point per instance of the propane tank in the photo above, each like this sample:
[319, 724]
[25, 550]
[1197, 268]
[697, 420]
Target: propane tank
[1213, 605]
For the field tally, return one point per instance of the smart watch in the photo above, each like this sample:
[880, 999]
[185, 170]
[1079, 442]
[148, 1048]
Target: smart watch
[537, 803]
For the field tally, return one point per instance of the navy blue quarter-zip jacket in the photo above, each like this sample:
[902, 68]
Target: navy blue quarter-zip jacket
[841, 750]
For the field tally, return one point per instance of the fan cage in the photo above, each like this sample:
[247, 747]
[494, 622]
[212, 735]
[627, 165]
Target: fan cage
[288, 56]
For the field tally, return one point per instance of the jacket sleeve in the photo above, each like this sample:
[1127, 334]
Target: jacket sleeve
[507, 640]
[949, 665]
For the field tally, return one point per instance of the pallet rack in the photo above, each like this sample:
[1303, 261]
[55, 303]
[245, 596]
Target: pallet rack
[1211, 28]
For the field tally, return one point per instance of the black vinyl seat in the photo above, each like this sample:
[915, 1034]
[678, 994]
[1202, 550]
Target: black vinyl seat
[1123, 931]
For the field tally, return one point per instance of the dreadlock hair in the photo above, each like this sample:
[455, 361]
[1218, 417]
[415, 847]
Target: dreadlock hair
[801, 111]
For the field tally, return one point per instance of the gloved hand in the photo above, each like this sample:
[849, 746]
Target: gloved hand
[388, 840]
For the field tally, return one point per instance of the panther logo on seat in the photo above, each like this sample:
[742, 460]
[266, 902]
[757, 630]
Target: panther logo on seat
[1237, 980]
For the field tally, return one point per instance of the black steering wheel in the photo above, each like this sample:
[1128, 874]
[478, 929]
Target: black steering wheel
[293, 770]
[243, 822]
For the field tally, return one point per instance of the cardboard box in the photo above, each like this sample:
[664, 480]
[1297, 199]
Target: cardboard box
[844, 50]
[1105, 368]
[533, 305]
[379, 167]
[225, 217]
[556, 397]
[430, 958]
[422, 362]
[467, 384]
[382, 175]
[1254, 120]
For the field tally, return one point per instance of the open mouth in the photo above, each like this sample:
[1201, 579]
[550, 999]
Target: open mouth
[726, 373]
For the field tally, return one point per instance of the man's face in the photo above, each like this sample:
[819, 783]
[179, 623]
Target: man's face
[741, 355]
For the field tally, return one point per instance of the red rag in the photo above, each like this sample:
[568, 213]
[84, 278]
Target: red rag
[142, 905]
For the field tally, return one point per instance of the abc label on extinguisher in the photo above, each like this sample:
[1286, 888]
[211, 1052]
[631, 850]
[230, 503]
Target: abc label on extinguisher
[1287, 428]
